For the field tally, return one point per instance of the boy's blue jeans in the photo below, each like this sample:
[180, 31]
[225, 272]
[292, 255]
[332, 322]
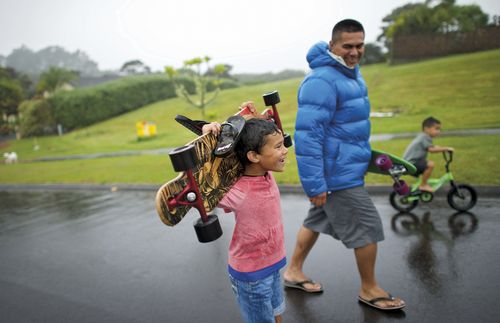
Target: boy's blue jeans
[260, 301]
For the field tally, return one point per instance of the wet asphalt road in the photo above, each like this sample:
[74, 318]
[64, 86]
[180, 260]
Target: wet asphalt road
[97, 256]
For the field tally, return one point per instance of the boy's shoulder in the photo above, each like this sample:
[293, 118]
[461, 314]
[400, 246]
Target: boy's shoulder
[423, 136]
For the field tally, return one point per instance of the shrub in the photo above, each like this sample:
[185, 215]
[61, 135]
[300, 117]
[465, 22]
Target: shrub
[35, 118]
[85, 106]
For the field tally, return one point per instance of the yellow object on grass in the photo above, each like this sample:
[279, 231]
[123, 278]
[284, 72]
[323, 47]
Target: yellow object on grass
[145, 129]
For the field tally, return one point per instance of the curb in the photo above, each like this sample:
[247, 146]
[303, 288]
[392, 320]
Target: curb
[482, 191]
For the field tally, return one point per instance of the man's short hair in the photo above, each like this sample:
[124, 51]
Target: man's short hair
[429, 122]
[348, 26]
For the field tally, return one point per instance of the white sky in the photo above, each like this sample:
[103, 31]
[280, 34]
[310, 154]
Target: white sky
[253, 36]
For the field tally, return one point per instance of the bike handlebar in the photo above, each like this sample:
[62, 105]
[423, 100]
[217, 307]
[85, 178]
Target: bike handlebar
[448, 156]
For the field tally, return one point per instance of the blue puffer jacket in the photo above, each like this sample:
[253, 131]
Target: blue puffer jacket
[332, 128]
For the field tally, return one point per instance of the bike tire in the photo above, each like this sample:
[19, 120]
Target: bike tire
[462, 204]
[400, 203]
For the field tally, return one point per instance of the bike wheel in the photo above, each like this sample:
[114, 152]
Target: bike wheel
[405, 224]
[401, 203]
[462, 223]
[462, 197]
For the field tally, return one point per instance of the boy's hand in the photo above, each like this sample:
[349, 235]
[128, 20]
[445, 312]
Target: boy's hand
[213, 127]
[250, 106]
[450, 149]
[253, 110]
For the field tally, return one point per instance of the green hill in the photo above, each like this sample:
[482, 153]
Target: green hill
[462, 91]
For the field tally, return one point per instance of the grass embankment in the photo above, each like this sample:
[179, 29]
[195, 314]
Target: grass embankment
[462, 91]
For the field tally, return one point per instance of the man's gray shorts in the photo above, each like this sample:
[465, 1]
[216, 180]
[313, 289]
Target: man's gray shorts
[349, 216]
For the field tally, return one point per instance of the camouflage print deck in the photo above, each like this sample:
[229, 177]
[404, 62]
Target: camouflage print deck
[214, 177]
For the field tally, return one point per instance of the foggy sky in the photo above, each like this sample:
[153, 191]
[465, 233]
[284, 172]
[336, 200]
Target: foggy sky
[253, 36]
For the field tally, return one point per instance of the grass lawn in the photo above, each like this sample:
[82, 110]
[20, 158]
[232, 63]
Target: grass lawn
[463, 91]
[474, 162]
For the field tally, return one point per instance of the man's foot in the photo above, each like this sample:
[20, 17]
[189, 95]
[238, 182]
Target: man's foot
[302, 286]
[380, 299]
[426, 188]
[298, 280]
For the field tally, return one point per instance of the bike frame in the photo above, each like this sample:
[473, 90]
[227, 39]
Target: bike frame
[435, 183]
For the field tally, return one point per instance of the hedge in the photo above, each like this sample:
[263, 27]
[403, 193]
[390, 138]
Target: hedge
[85, 106]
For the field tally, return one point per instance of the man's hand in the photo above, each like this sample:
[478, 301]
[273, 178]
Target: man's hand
[318, 200]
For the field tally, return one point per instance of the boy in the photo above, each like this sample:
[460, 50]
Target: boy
[257, 249]
[416, 152]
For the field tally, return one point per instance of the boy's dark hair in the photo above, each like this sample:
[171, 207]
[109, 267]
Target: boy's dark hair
[429, 122]
[346, 25]
[253, 137]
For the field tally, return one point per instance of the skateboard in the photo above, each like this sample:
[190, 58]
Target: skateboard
[207, 167]
[385, 163]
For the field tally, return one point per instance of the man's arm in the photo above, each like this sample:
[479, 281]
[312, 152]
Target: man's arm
[317, 103]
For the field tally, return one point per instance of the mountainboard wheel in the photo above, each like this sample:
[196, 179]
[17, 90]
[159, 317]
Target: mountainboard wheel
[183, 158]
[383, 162]
[208, 231]
[287, 140]
[401, 188]
[271, 98]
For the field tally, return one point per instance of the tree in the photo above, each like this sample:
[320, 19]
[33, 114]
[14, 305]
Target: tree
[226, 74]
[22, 79]
[11, 94]
[54, 79]
[193, 69]
[13, 89]
[442, 18]
[135, 67]
[373, 54]
[33, 63]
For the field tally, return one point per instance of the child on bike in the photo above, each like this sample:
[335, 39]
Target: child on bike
[257, 249]
[416, 152]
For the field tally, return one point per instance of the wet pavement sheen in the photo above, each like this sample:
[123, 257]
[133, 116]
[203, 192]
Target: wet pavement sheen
[96, 256]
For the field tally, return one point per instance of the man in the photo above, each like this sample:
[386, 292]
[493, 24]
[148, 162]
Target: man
[331, 143]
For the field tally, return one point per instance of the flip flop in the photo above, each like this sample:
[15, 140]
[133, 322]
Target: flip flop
[372, 302]
[193, 125]
[229, 135]
[300, 285]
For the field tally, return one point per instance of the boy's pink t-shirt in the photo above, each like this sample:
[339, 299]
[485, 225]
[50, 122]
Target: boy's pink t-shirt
[258, 237]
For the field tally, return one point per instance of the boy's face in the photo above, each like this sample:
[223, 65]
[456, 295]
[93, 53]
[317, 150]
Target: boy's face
[272, 155]
[433, 130]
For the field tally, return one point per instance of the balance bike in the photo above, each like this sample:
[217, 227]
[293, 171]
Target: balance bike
[461, 197]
